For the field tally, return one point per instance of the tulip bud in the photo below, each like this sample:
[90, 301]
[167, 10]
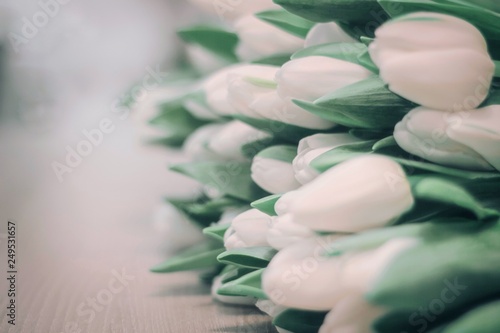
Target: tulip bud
[195, 145]
[323, 33]
[469, 141]
[233, 9]
[248, 229]
[259, 39]
[271, 106]
[299, 276]
[272, 169]
[244, 89]
[362, 193]
[313, 146]
[312, 77]
[284, 232]
[228, 141]
[216, 86]
[435, 60]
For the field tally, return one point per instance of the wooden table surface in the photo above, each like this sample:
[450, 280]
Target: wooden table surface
[75, 237]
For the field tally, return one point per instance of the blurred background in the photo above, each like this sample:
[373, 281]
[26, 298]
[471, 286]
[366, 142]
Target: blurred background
[63, 73]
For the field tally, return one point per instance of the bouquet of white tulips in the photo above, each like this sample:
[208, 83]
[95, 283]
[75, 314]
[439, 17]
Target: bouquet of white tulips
[349, 157]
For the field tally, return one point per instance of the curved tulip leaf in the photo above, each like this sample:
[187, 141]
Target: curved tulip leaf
[341, 154]
[216, 40]
[343, 51]
[286, 21]
[285, 153]
[329, 10]
[266, 205]
[286, 132]
[231, 273]
[216, 231]
[462, 258]
[369, 101]
[176, 121]
[247, 285]
[196, 257]
[366, 61]
[481, 319]
[384, 143]
[299, 321]
[250, 257]
[253, 148]
[275, 60]
[231, 178]
[204, 211]
[449, 192]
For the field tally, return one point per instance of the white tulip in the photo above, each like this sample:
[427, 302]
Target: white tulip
[299, 276]
[284, 232]
[204, 61]
[313, 146]
[463, 140]
[244, 89]
[282, 206]
[195, 145]
[271, 106]
[312, 77]
[233, 300]
[363, 193]
[435, 60]
[227, 143]
[273, 175]
[352, 314]
[259, 39]
[323, 33]
[247, 230]
[231, 9]
[216, 85]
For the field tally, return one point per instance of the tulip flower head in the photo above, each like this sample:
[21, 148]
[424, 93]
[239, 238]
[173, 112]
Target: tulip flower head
[435, 60]
[259, 39]
[365, 192]
[467, 142]
[312, 77]
[247, 230]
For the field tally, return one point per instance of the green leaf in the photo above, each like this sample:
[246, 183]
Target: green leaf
[203, 210]
[299, 321]
[366, 61]
[384, 143]
[329, 10]
[247, 285]
[368, 101]
[341, 154]
[285, 153]
[369, 134]
[481, 319]
[176, 121]
[286, 21]
[220, 42]
[351, 52]
[231, 178]
[250, 257]
[462, 258]
[266, 205]
[231, 273]
[202, 256]
[275, 60]
[447, 191]
[286, 132]
[253, 148]
[216, 231]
